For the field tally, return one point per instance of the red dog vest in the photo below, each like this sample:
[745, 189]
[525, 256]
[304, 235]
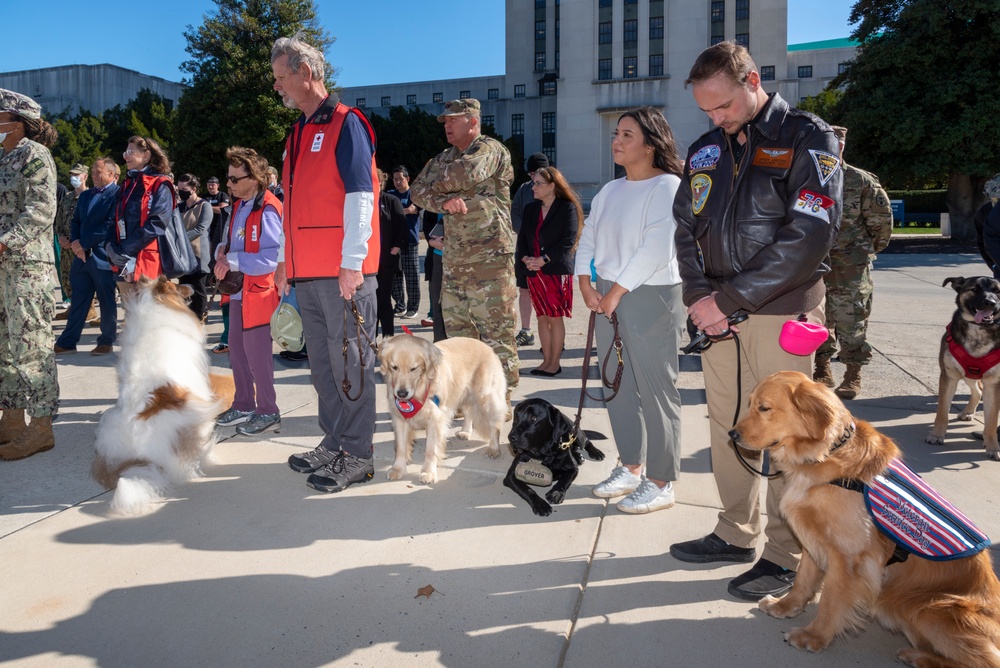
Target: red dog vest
[974, 367]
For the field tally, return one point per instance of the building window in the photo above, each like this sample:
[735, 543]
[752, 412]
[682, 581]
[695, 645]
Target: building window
[549, 135]
[539, 61]
[603, 3]
[386, 101]
[557, 60]
[630, 67]
[604, 33]
[604, 69]
[493, 94]
[438, 98]
[718, 11]
[742, 9]
[549, 121]
[464, 93]
[488, 120]
[841, 68]
[631, 2]
[517, 124]
[805, 72]
[539, 30]
[655, 27]
[656, 65]
[519, 90]
[360, 103]
[767, 73]
[547, 88]
[631, 32]
[743, 39]
[411, 99]
[539, 4]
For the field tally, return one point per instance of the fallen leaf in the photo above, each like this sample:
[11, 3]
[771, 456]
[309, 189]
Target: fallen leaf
[426, 592]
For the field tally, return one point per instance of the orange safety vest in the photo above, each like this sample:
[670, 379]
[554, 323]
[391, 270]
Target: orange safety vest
[260, 296]
[147, 260]
[314, 197]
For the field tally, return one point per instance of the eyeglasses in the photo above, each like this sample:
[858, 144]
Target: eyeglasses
[539, 184]
[130, 151]
[236, 179]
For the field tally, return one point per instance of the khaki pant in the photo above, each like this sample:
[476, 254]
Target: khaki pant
[760, 356]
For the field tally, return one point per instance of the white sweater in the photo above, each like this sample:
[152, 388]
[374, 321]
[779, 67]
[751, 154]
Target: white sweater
[630, 233]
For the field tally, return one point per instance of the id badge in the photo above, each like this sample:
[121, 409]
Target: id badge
[121, 229]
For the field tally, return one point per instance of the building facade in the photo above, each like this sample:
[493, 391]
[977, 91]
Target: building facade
[92, 88]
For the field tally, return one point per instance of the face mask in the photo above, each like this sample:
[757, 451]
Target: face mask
[184, 195]
[75, 181]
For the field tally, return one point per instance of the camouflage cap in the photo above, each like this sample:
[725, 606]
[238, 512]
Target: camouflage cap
[22, 105]
[79, 168]
[467, 106]
[840, 132]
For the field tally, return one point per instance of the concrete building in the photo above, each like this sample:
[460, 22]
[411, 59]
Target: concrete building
[93, 88]
[573, 67]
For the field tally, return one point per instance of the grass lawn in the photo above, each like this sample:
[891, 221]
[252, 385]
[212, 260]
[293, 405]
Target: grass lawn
[916, 230]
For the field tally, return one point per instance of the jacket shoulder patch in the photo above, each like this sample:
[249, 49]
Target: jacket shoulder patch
[32, 167]
[826, 164]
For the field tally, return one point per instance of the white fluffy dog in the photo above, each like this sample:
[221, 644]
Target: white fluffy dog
[162, 427]
[427, 382]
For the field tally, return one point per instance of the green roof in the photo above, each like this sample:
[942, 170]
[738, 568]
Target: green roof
[824, 44]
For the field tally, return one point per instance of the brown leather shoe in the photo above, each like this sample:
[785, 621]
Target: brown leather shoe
[101, 350]
[38, 437]
[59, 350]
[62, 315]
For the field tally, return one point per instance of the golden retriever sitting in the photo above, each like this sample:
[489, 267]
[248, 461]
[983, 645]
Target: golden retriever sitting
[427, 382]
[948, 610]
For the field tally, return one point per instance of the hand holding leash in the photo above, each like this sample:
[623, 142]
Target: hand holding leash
[703, 340]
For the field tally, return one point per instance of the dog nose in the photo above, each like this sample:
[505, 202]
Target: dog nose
[735, 435]
[402, 394]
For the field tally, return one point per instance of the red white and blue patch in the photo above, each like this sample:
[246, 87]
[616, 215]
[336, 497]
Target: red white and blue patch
[704, 158]
[918, 519]
[813, 204]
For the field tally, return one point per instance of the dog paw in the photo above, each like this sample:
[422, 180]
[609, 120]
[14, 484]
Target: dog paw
[964, 417]
[395, 473]
[555, 496]
[594, 453]
[463, 435]
[778, 607]
[916, 657]
[993, 454]
[541, 508]
[803, 638]
[492, 452]
[428, 477]
[934, 439]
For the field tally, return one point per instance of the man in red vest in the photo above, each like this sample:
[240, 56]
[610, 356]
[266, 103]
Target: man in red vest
[331, 252]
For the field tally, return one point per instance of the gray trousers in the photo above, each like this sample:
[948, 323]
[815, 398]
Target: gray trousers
[347, 425]
[646, 414]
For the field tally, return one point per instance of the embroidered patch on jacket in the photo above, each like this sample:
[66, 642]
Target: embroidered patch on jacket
[918, 519]
[813, 204]
[705, 158]
[779, 158]
[826, 165]
[701, 185]
[33, 166]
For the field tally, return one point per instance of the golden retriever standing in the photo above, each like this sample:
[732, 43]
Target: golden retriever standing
[948, 610]
[427, 382]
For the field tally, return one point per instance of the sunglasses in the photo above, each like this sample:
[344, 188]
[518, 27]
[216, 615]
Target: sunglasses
[237, 179]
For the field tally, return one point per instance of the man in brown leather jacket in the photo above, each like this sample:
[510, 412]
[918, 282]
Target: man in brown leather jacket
[761, 200]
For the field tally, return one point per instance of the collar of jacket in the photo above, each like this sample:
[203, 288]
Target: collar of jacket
[769, 119]
[324, 114]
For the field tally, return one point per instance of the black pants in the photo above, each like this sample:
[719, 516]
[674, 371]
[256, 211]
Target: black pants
[383, 299]
[199, 300]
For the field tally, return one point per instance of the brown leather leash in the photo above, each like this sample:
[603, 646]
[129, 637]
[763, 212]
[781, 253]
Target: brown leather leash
[359, 320]
[614, 384]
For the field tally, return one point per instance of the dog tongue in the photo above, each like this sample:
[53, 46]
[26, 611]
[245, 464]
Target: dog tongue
[981, 315]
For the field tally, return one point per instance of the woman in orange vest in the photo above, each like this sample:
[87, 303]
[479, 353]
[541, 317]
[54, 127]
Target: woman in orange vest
[141, 213]
[252, 248]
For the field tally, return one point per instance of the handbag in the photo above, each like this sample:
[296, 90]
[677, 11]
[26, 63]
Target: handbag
[176, 254]
[231, 283]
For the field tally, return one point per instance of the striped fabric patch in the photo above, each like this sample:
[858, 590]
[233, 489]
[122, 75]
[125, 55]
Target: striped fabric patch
[918, 519]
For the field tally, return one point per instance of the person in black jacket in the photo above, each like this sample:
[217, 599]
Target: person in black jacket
[392, 234]
[988, 240]
[545, 247]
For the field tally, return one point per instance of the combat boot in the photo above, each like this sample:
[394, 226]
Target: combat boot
[37, 437]
[852, 382]
[823, 373]
[11, 424]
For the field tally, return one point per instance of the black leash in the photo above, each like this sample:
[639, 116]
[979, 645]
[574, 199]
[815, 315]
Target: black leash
[359, 320]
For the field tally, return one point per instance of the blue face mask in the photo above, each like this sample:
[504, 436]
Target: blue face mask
[74, 180]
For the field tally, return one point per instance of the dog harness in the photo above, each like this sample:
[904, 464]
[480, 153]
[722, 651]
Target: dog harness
[410, 408]
[915, 517]
[974, 367]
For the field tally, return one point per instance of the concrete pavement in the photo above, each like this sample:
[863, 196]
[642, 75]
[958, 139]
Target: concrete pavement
[249, 567]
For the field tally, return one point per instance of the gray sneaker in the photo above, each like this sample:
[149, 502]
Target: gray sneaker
[260, 422]
[345, 470]
[233, 416]
[619, 483]
[646, 498]
[525, 338]
[314, 460]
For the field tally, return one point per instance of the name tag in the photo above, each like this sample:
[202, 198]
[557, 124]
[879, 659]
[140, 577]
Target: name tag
[317, 143]
[121, 229]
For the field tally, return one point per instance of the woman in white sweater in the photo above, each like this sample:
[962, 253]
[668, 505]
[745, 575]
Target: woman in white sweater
[627, 247]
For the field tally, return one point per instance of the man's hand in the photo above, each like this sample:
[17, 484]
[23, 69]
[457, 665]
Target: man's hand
[455, 205]
[221, 267]
[436, 242]
[411, 210]
[349, 280]
[707, 317]
[394, 250]
[64, 241]
[78, 251]
[281, 280]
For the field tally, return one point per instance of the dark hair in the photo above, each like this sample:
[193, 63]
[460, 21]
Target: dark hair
[38, 130]
[656, 133]
[247, 158]
[189, 178]
[728, 58]
[563, 191]
[110, 165]
[158, 160]
[402, 169]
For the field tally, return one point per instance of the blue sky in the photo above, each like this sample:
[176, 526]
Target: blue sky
[405, 41]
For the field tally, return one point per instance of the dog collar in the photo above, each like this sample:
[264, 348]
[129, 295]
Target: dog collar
[844, 438]
[410, 408]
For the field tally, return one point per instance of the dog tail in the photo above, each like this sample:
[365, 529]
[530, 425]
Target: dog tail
[138, 489]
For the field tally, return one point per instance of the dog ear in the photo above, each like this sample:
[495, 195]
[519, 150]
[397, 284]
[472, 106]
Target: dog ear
[816, 407]
[956, 282]
[434, 358]
[561, 426]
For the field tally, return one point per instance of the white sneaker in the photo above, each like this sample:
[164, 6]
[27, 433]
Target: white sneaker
[647, 497]
[621, 482]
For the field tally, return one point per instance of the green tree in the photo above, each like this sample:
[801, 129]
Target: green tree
[407, 136]
[145, 115]
[231, 101]
[823, 105]
[921, 96]
[81, 139]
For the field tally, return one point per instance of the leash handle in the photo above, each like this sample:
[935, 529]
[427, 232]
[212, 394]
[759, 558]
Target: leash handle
[613, 384]
[358, 321]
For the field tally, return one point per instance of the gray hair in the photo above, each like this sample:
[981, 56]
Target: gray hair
[298, 52]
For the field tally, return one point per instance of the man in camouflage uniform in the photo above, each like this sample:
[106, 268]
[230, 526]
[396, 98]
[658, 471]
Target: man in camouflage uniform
[28, 380]
[865, 228]
[64, 216]
[470, 184]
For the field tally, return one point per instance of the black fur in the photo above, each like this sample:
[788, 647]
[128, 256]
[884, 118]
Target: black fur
[537, 432]
[975, 294]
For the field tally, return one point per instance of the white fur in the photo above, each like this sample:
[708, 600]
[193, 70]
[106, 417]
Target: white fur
[160, 346]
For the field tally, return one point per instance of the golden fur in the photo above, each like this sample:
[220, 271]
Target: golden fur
[462, 374]
[948, 610]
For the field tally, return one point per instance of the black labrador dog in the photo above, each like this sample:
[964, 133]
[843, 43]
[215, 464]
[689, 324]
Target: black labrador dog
[541, 432]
